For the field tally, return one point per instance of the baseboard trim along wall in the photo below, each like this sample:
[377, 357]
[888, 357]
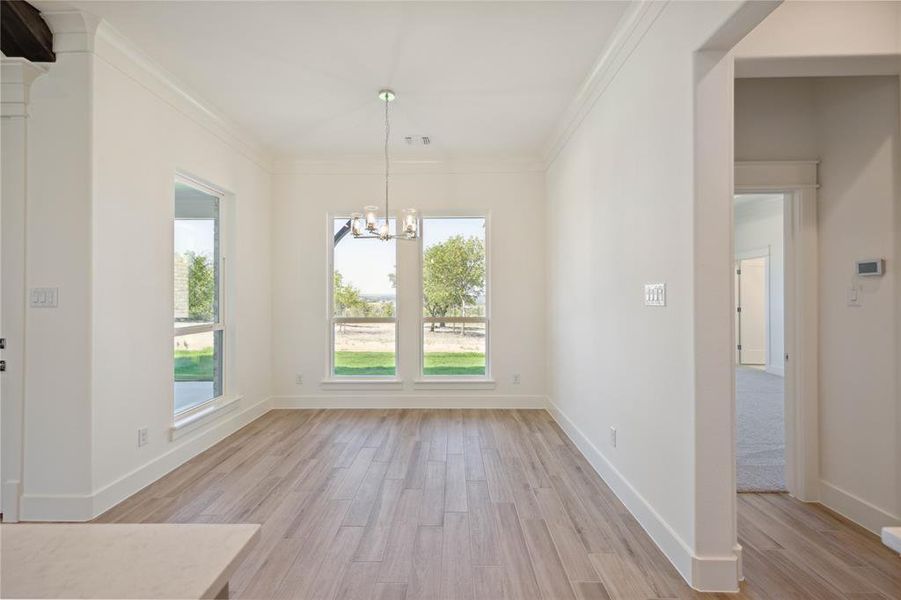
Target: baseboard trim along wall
[369, 400]
[11, 491]
[705, 573]
[87, 507]
[776, 370]
[856, 509]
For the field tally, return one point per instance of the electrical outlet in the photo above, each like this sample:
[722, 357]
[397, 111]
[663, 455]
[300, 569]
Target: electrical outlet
[613, 436]
[516, 379]
[298, 379]
[142, 436]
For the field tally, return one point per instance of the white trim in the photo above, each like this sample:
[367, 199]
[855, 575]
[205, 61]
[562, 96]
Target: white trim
[856, 509]
[371, 165]
[84, 507]
[362, 382]
[11, 493]
[202, 415]
[224, 246]
[16, 77]
[421, 377]
[629, 31]
[74, 31]
[408, 401]
[891, 537]
[56, 507]
[120, 53]
[329, 376]
[764, 176]
[797, 181]
[454, 383]
[775, 370]
[753, 253]
[674, 547]
[202, 328]
[704, 573]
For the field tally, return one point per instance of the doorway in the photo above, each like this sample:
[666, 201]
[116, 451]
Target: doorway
[760, 345]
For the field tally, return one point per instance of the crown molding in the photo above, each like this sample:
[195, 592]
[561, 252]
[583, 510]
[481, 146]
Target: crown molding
[119, 52]
[73, 30]
[16, 75]
[630, 30]
[376, 166]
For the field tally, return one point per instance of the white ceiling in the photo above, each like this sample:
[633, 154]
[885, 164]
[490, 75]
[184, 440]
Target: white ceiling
[483, 79]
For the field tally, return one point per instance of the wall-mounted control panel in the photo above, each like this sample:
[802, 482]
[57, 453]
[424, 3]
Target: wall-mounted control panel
[655, 294]
[43, 297]
[870, 267]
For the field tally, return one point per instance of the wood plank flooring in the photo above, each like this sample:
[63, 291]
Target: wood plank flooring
[472, 504]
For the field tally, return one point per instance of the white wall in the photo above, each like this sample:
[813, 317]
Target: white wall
[57, 452]
[824, 38]
[852, 125]
[628, 172]
[758, 226]
[514, 204]
[106, 138]
[140, 141]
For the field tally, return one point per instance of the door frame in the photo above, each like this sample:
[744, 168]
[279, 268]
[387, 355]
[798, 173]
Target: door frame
[763, 253]
[797, 180]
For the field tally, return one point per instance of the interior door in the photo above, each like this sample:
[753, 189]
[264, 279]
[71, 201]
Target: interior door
[752, 311]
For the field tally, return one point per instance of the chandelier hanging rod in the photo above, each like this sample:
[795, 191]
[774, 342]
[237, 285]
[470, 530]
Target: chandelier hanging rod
[366, 225]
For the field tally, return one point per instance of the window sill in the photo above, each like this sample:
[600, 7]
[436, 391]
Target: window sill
[196, 419]
[362, 383]
[455, 383]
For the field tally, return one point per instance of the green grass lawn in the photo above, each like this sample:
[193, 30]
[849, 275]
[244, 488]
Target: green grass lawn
[454, 363]
[436, 363]
[194, 365]
[364, 363]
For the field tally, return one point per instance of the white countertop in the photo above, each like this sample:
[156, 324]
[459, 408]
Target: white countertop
[891, 537]
[62, 560]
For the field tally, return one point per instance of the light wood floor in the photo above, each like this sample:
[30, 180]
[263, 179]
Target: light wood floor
[386, 504]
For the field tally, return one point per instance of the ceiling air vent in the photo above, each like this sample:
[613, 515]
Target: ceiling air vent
[417, 140]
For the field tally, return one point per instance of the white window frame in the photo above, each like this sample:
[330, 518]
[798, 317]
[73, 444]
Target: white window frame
[423, 320]
[332, 320]
[193, 413]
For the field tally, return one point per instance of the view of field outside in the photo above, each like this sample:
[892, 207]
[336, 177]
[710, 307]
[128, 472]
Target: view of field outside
[197, 376]
[454, 287]
[364, 287]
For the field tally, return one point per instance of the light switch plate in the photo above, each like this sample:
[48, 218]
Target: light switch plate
[655, 294]
[43, 297]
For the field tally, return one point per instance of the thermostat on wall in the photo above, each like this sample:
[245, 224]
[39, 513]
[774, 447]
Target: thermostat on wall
[870, 267]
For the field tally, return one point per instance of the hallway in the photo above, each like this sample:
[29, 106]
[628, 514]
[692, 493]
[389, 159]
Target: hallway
[760, 422]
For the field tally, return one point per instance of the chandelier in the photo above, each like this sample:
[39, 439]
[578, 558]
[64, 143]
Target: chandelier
[366, 225]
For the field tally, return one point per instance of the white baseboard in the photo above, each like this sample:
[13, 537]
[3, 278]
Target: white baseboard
[63, 507]
[775, 370]
[705, 573]
[370, 400]
[856, 509]
[9, 500]
[87, 507]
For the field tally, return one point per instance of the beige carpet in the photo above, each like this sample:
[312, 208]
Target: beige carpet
[760, 406]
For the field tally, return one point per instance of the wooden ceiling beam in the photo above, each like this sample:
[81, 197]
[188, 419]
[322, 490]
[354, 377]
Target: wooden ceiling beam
[24, 33]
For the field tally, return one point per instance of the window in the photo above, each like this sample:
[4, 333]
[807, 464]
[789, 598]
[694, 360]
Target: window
[363, 306]
[199, 329]
[454, 297]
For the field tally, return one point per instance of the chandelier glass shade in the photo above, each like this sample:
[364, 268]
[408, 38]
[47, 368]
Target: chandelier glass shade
[368, 224]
